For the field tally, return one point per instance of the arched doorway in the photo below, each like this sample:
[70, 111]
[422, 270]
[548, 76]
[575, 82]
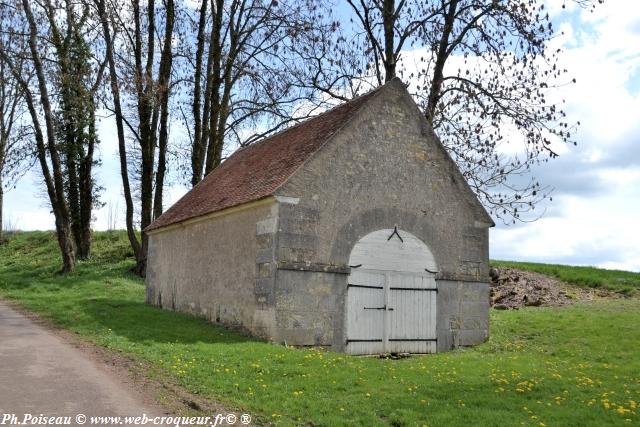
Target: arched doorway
[391, 295]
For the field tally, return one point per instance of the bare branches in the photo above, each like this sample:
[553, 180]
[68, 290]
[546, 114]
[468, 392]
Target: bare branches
[250, 70]
[141, 74]
[15, 155]
[482, 72]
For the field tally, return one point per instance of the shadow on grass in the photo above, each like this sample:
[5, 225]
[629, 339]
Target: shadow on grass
[142, 323]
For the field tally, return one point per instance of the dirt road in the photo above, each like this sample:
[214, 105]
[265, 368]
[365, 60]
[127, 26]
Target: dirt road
[40, 373]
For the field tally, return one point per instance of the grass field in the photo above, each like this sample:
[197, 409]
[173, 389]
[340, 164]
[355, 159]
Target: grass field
[615, 280]
[572, 366]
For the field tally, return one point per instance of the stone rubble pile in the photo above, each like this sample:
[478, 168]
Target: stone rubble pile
[512, 289]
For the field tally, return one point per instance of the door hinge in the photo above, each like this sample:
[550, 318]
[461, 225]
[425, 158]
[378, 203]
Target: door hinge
[384, 307]
[349, 285]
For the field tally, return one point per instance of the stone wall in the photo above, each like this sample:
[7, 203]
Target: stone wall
[308, 307]
[385, 168]
[219, 268]
[462, 316]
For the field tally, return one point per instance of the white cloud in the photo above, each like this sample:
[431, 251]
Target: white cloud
[599, 231]
[558, 7]
[592, 227]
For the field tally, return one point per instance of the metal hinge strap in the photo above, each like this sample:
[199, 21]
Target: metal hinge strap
[414, 289]
[364, 286]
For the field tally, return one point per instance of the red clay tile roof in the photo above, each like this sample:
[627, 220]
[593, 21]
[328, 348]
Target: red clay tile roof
[256, 171]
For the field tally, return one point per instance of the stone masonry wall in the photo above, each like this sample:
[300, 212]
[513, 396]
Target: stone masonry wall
[462, 317]
[220, 268]
[384, 169]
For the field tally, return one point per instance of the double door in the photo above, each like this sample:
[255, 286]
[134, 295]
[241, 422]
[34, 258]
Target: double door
[391, 311]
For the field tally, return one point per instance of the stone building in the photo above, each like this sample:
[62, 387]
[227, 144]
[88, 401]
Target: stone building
[353, 230]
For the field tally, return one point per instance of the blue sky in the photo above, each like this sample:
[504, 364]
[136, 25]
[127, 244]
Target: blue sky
[594, 218]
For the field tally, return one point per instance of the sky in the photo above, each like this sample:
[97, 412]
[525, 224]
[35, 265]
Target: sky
[594, 218]
[595, 213]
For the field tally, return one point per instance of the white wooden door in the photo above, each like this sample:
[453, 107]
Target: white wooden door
[365, 298]
[412, 313]
[391, 295]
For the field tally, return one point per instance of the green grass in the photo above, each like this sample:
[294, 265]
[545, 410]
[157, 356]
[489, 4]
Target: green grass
[578, 365]
[614, 280]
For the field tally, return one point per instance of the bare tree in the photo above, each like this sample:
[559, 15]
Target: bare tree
[106, 24]
[112, 215]
[243, 77]
[47, 49]
[10, 225]
[140, 73]
[483, 72]
[224, 66]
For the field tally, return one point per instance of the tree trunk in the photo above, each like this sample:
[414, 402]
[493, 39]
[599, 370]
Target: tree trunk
[441, 59]
[147, 121]
[197, 150]
[56, 185]
[164, 85]
[205, 135]
[86, 185]
[73, 194]
[3, 145]
[1, 204]
[122, 147]
[63, 229]
[216, 82]
[65, 241]
[388, 19]
[222, 119]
